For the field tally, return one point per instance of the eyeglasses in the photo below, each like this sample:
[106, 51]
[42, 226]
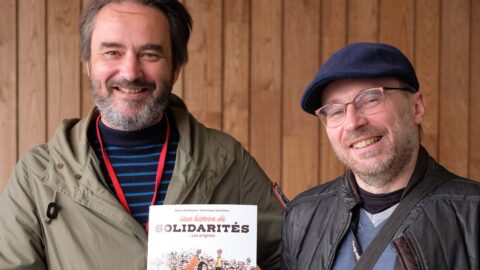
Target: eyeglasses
[367, 102]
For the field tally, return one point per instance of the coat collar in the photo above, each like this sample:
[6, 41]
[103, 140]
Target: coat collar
[200, 155]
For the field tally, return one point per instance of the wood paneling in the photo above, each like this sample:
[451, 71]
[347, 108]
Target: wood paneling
[426, 61]
[63, 62]
[266, 86]
[86, 100]
[236, 47]
[301, 56]
[362, 20]
[333, 36]
[202, 84]
[32, 118]
[474, 100]
[249, 63]
[8, 89]
[454, 85]
[396, 24]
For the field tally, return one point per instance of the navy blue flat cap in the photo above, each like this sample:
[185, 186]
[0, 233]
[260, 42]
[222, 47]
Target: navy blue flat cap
[359, 60]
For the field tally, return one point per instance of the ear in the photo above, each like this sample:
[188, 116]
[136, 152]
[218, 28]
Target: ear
[87, 65]
[419, 107]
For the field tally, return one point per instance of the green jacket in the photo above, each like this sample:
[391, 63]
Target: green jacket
[92, 230]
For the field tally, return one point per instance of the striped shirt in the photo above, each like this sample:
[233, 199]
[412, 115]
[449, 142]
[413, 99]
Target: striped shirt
[134, 156]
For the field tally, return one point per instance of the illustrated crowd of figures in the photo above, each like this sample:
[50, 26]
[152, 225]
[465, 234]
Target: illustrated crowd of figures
[195, 259]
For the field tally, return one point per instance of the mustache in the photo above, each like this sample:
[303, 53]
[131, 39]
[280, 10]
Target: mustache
[137, 83]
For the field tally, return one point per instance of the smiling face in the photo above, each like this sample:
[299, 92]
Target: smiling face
[130, 66]
[380, 148]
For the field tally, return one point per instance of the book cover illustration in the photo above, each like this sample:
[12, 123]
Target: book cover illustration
[206, 236]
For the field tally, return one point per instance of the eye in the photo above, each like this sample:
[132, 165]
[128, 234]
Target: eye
[334, 110]
[368, 99]
[112, 54]
[149, 56]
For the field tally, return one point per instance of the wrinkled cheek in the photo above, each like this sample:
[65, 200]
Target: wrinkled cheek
[95, 84]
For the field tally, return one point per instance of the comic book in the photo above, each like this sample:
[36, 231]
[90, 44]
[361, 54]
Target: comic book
[202, 236]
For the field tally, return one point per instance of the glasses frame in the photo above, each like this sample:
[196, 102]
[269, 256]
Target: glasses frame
[323, 117]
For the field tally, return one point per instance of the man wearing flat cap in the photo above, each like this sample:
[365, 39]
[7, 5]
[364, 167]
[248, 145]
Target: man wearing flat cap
[395, 207]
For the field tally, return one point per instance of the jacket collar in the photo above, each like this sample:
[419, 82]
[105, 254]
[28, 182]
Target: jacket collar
[349, 190]
[199, 155]
[419, 171]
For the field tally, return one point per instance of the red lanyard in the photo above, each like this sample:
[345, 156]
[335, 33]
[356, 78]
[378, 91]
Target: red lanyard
[113, 176]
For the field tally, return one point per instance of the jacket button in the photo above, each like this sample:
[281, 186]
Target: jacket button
[59, 166]
[77, 176]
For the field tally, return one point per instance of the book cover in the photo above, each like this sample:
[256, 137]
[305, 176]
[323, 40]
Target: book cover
[206, 236]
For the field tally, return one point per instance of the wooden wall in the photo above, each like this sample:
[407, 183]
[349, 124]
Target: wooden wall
[250, 61]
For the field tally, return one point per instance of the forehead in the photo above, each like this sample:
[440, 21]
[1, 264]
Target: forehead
[345, 90]
[130, 19]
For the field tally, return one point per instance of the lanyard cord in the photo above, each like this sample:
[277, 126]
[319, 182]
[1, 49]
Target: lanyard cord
[113, 176]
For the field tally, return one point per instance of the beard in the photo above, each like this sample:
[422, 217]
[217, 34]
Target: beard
[147, 113]
[396, 159]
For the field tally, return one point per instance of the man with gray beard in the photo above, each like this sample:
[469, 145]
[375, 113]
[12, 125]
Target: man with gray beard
[395, 207]
[81, 201]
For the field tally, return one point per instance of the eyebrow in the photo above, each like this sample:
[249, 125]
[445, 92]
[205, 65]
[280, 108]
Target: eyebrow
[149, 46]
[110, 45]
[154, 47]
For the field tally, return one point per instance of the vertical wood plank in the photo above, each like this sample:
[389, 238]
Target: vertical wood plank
[301, 61]
[427, 65]
[474, 105]
[397, 20]
[334, 37]
[203, 75]
[266, 84]
[362, 20]
[63, 79]
[235, 70]
[454, 92]
[8, 89]
[32, 118]
[86, 100]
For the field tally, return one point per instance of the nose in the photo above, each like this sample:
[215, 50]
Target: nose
[354, 119]
[131, 68]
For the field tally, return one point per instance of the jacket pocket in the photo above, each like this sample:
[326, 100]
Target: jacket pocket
[406, 253]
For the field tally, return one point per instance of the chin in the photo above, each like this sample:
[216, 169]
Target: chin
[128, 112]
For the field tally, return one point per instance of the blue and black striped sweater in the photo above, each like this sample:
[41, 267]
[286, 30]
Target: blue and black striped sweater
[134, 156]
